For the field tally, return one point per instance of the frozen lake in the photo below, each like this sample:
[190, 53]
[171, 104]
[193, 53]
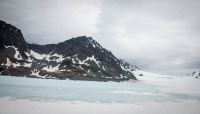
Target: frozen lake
[133, 92]
[151, 95]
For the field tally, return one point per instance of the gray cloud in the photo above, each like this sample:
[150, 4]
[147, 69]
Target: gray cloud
[51, 21]
[158, 36]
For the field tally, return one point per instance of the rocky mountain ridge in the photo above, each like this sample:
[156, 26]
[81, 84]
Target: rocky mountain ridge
[80, 58]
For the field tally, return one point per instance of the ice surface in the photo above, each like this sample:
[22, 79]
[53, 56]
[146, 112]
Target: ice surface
[151, 94]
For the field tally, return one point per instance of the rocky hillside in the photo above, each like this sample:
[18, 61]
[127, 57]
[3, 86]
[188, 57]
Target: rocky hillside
[80, 58]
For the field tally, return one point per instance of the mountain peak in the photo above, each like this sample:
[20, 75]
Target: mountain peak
[85, 41]
[9, 27]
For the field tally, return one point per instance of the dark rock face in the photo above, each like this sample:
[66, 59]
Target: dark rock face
[11, 36]
[80, 58]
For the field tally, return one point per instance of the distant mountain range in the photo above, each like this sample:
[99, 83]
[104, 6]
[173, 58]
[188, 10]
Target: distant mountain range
[195, 74]
[80, 58]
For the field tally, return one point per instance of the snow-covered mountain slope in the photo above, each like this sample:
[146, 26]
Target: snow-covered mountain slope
[127, 67]
[147, 76]
[80, 58]
[182, 84]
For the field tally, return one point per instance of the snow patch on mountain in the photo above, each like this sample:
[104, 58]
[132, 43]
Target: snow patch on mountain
[37, 55]
[59, 58]
[15, 65]
[50, 68]
[8, 62]
[35, 73]
[27, 65]
[89, 59]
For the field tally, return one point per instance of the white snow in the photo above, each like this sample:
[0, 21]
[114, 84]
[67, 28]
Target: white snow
[108, 77]
[121, 76]
[29, 59]
[125, 77]
[93, 59]
[104, 68]
[73, 61]
[27, 64]
[93, 45]
[35, 73]
[83, 62]
[123, 68]
[89, 59]
[117, 78]
[147, 76]
[16, 65]
[27, 106]
[8, 62]
[89, 71]
[36, 55]
[60, 57]
[17, 54]
[50, 68]
[182, 84]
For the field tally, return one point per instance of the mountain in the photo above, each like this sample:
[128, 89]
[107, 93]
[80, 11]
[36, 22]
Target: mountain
[80, 58]
[128, 67]
[195, 74]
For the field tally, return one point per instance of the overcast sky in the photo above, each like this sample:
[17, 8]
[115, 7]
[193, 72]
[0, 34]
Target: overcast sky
[161, 36]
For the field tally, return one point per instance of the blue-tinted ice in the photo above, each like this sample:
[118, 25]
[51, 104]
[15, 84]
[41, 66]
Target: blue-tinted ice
[87, 91]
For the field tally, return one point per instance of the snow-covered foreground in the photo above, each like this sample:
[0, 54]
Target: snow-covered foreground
[22, 106]
[152, 94]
